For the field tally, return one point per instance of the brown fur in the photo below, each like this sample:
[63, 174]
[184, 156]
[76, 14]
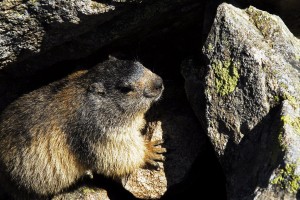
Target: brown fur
[89, 122]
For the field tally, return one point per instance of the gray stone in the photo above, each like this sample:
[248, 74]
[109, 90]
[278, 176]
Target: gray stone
[30, 27]
[59, 30]
[251, 96]
[84, 193]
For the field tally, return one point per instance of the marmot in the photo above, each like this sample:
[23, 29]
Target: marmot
[89, 122]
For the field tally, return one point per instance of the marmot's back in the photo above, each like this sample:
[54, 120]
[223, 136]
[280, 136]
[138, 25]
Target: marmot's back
[88, 122]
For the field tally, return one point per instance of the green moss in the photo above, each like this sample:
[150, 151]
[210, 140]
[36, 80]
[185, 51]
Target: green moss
[294, 122]
[283, 85]
[210, 47]
[276, 99]
[226, 76]
[286, 119]
[287, 179]
[291, 99]
[87, 190]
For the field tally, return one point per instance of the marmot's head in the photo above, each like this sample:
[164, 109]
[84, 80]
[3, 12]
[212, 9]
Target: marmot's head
[119, 88]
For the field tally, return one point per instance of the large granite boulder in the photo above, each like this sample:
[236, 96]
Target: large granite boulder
[246, 92]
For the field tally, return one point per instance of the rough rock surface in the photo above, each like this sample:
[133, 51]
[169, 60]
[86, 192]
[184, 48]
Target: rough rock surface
[250, 79]
[84, 193]
[146, 183]
[61, 30]
[29, 27]
[288, 10]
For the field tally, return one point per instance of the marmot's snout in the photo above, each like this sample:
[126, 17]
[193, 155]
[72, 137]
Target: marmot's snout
[155, 89]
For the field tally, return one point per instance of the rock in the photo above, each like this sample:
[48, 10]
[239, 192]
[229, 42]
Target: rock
[63, 30]
[288, 10]
[84, 193]
[146, 183]
[250, 92]
[33, 26]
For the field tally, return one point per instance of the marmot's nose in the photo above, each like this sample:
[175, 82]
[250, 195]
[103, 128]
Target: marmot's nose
[158, 83]
[155, 89]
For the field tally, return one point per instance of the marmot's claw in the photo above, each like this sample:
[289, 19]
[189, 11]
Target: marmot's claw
[157, 142]
[159, 150]
[154, 153]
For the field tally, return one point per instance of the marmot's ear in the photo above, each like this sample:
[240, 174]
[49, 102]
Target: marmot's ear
[112, 58]
[97, 88]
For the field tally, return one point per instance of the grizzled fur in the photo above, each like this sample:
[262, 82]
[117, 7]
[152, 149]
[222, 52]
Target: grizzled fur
[87, 123]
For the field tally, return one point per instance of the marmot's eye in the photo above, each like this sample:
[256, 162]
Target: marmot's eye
[125, 88]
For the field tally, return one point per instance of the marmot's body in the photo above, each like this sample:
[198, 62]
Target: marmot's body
[88, 122]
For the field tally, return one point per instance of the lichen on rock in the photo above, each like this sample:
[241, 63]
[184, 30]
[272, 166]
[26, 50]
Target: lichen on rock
[226, 76]
[286, 179]
[294, 122]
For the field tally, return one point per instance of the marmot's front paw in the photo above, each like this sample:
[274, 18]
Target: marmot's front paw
[154, 153]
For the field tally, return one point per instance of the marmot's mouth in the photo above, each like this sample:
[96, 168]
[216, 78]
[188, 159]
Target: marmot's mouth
[154, 93]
